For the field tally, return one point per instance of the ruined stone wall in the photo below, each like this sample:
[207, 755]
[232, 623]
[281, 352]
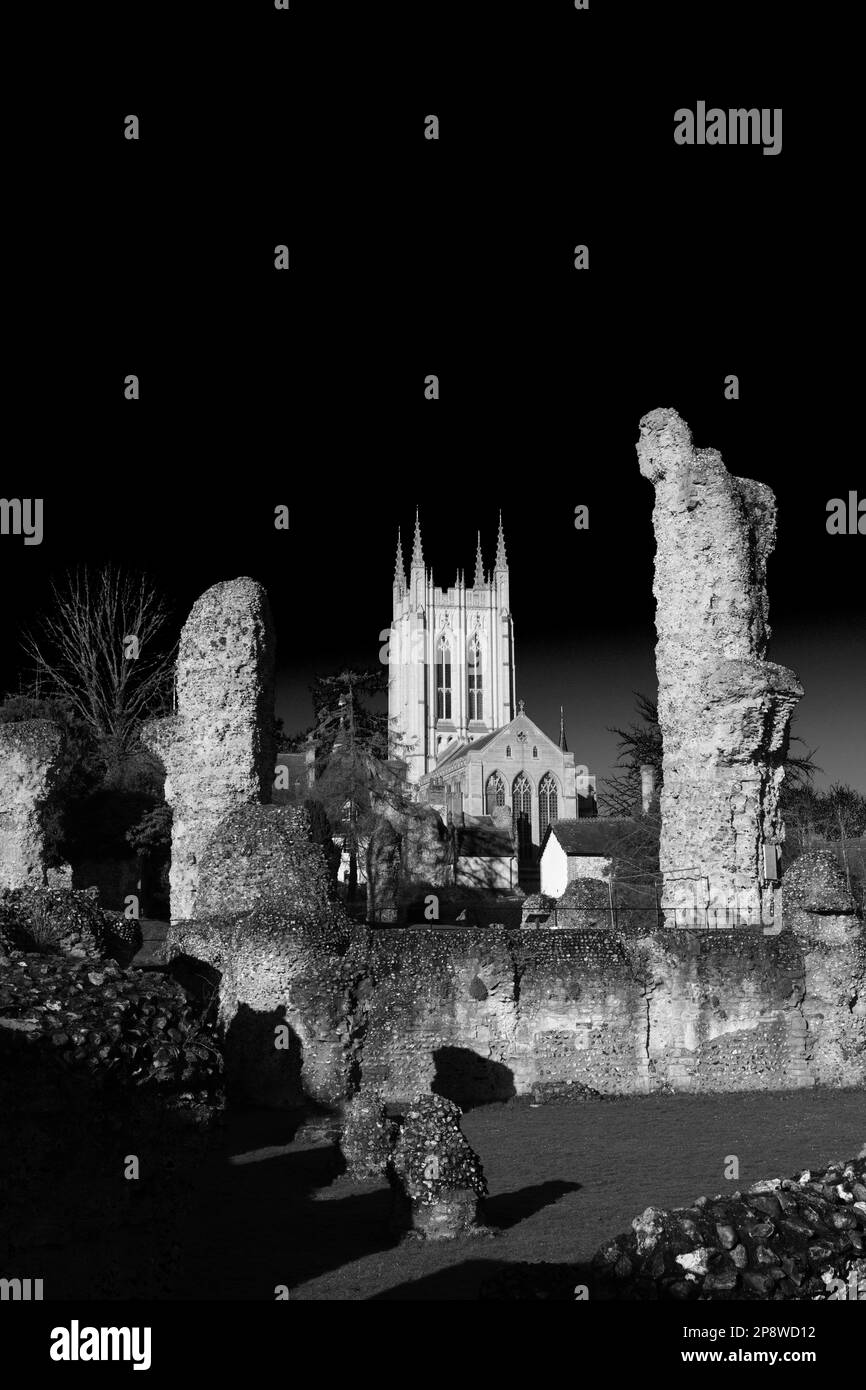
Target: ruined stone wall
[724, 1010]
[273, 977]
[484, 1014]
[819, 910]
[218, 749]
[29, 754]
[724, 710]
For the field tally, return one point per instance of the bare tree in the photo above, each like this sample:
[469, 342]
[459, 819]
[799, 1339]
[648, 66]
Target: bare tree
[97, 649]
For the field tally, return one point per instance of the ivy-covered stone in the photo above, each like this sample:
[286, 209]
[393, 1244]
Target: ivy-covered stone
[66, 921]
[130, 1028]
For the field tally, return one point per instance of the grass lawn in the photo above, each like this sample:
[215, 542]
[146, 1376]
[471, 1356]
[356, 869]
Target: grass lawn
[562, 1179]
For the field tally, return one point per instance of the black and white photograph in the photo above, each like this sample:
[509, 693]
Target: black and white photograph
[432, 669]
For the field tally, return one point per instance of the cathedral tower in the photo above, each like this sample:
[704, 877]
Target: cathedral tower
[450, 656]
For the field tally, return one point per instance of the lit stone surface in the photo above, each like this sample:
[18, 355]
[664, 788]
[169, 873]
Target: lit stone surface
[724, 710]
[29, 753]
[218, 748]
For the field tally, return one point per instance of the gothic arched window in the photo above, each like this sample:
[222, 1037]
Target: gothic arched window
[495, 792]
[521, 804]
[548, 802]
[535, 752]
[508, 751]
[476, 701]
[443, 679]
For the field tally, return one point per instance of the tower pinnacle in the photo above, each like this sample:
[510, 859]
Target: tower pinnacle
[562, 743]
[501, 557]
[399, 565]
[479, 565]
[417, 552]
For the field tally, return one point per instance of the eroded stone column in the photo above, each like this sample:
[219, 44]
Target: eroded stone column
[724, 710]
[218, 750]
[29, 754]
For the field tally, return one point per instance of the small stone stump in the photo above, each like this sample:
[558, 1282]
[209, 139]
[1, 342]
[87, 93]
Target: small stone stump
[367, 1137]
[438, 1176]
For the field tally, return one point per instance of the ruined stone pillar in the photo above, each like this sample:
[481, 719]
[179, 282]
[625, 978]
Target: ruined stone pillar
[29, 755]
[218, 749]
[724, 710]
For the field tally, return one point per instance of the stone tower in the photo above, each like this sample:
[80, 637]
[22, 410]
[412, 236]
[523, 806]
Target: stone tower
[450, 656]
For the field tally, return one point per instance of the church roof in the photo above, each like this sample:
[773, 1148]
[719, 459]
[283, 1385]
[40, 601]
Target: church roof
[458, 746]
[520, 724]
[595, 835]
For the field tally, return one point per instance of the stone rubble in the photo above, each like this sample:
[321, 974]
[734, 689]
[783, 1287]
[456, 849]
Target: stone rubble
[783, 1238]
[117, 1027]
[797, 1239]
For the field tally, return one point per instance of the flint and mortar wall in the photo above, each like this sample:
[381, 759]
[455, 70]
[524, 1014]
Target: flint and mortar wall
[487, 1013]
[819, 909]
[725, 1010]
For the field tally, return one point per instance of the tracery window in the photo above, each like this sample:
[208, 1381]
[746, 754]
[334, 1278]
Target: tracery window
[476, 699]
[548, 802]
[443, 679]
[495, 792]
[521, 804]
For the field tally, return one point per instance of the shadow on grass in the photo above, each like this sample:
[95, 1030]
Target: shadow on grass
[281, 1221]
[277, 1223]
[510, 1208]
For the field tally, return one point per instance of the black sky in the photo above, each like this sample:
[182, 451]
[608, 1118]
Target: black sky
[453, 257]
